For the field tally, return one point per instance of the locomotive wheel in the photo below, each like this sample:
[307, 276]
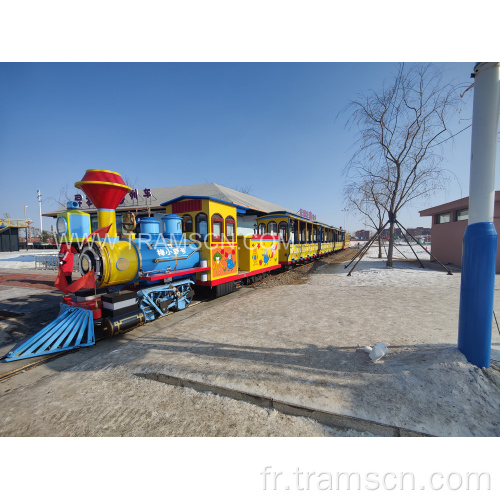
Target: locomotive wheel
[223, 289]
[187, 293]
[189, 296]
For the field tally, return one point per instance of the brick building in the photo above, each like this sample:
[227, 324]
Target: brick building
[449, 222]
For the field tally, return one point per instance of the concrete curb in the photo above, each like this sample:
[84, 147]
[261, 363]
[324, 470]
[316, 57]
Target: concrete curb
[321, 416]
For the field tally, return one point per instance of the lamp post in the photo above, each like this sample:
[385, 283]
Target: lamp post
[29, 233]
[39, 194]
[345, 218]
[26, 226]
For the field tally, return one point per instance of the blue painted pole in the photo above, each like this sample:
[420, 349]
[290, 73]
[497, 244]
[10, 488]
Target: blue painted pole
[480, 239]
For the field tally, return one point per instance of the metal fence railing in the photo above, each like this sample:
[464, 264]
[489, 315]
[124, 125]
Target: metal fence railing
[50, 261]
[4, 223]
[47, 261]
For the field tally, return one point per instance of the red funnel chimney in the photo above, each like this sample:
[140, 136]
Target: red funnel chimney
[106, 190]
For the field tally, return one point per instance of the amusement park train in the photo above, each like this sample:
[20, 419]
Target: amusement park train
[156, 266]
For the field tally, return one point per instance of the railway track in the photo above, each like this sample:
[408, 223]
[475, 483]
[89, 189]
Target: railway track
[33, 364]
[282, 273]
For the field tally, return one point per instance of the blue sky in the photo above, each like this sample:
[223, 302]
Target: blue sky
[270, 126]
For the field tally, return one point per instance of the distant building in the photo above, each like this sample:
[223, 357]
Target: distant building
[9, 239]
[397, 233]
[363, 234]
[419, 232]
[9, 234]
[449, 222]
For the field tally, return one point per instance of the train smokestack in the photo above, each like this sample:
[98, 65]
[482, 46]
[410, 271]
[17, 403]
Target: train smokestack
[106, 190]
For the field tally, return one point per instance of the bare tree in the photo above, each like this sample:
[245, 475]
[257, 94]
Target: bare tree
[62, 197]
[129, 181]
[370, 199]
[399, 129]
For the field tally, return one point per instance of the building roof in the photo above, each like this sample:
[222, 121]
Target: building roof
[452, 205]
[162, 195]
[218, 192]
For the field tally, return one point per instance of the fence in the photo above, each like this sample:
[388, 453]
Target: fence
[4, 223]
[51, 262]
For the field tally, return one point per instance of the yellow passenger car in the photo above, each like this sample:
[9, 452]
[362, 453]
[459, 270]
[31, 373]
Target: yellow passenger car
[212, 223]
[300, 239]
[258, 253]
[347, 241]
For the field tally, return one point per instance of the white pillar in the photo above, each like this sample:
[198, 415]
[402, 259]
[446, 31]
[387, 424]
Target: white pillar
[480, 239]
[484, 142]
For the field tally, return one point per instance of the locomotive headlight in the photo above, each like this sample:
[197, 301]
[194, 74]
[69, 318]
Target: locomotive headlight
[90, 259]
[62, 226]
[85, 264]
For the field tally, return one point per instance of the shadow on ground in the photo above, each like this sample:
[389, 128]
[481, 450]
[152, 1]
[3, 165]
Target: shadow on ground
[429, 388]
[31, 313]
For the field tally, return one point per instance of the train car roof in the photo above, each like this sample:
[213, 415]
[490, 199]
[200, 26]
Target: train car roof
[297, 216]
[239, 208]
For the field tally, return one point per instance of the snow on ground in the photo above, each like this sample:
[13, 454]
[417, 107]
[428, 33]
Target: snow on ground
[22, 259]
[372, 271]
[407, 275]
